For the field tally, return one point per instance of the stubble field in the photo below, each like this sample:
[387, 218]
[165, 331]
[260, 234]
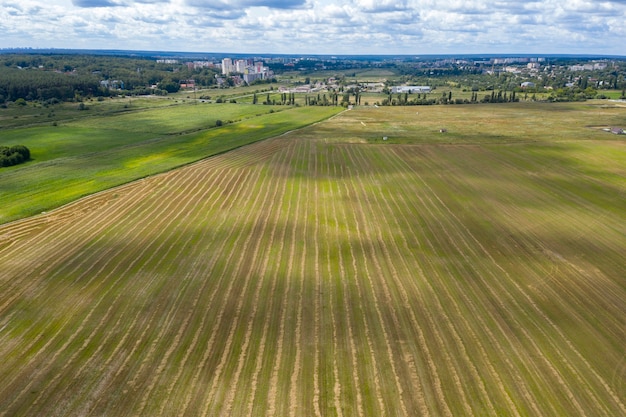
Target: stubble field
[329, 273]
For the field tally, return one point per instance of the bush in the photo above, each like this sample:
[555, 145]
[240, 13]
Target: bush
[22, 150]
[13, 155]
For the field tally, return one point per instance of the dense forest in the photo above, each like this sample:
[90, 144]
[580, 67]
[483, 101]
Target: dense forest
[74, 77]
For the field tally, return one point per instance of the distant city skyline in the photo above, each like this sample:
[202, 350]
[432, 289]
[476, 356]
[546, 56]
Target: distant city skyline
[353, 27]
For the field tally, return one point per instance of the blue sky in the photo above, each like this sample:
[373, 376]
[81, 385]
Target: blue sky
[408, 27]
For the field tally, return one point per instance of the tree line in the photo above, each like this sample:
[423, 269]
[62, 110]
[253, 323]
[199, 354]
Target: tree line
[74, 77]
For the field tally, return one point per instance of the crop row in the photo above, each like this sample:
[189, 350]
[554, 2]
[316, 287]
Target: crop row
[298, 276]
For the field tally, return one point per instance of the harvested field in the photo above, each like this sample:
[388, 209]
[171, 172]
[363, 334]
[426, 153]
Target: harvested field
[308, 276]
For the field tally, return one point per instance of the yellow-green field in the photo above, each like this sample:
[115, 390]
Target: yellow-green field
[327, 272]
[82, 156]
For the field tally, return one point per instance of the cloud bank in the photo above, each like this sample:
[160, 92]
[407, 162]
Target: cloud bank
[410, 27]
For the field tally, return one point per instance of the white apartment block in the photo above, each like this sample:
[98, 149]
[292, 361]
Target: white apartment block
[227, 66]
[250, 72]
[241, 65]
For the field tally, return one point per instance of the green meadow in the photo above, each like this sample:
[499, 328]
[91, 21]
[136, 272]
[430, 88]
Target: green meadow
[89, 151]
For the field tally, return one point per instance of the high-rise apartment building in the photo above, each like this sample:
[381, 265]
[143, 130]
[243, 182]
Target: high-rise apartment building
[227, 66]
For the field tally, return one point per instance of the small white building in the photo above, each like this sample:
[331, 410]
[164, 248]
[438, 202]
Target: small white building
[528, 84]
[411, 89]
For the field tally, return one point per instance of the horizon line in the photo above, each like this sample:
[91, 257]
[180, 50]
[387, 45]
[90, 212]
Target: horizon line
[303, 54]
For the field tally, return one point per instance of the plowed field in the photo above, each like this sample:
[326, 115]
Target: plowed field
[310, 276]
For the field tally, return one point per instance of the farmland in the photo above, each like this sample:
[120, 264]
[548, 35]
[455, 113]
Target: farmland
[326, 272]
[86, 153]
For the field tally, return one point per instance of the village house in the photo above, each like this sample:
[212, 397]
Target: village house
[190, 84]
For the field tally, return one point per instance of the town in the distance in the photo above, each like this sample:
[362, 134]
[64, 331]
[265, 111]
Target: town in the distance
[73, 75]
[532, 72]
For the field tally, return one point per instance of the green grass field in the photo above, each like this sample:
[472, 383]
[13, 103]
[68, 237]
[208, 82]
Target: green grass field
[326, 272]
[90, 154]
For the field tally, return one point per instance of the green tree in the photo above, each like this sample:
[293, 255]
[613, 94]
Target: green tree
[13, 155]
[583, 83]
[169, 86]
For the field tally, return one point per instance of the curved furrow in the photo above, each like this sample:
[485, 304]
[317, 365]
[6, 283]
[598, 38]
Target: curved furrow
[572, 292]
[485, 327]
[544, 318]
[105, 317]
[294, 409]
[58, 272]
[67, 342]
[50, 340]
[468, 303]
[345, 293]
[318, 288]
[470, 251]
[239, 193]
[459, 317]
[196, 271]
[188, 209]
[120, 345]
[45, 249]
[273, 380]
[212, 402]
[370, 279]
[255, 261]
[422, 339]
[355, 274]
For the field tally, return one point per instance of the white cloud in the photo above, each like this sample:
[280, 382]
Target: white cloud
[242, 4]
[380, 6]
[319, 26]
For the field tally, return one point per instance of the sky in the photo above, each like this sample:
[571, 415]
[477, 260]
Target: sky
[368, 27]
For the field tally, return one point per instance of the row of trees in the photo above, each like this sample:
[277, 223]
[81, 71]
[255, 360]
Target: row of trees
[13, 155]
[285, 99]
[406, 99]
